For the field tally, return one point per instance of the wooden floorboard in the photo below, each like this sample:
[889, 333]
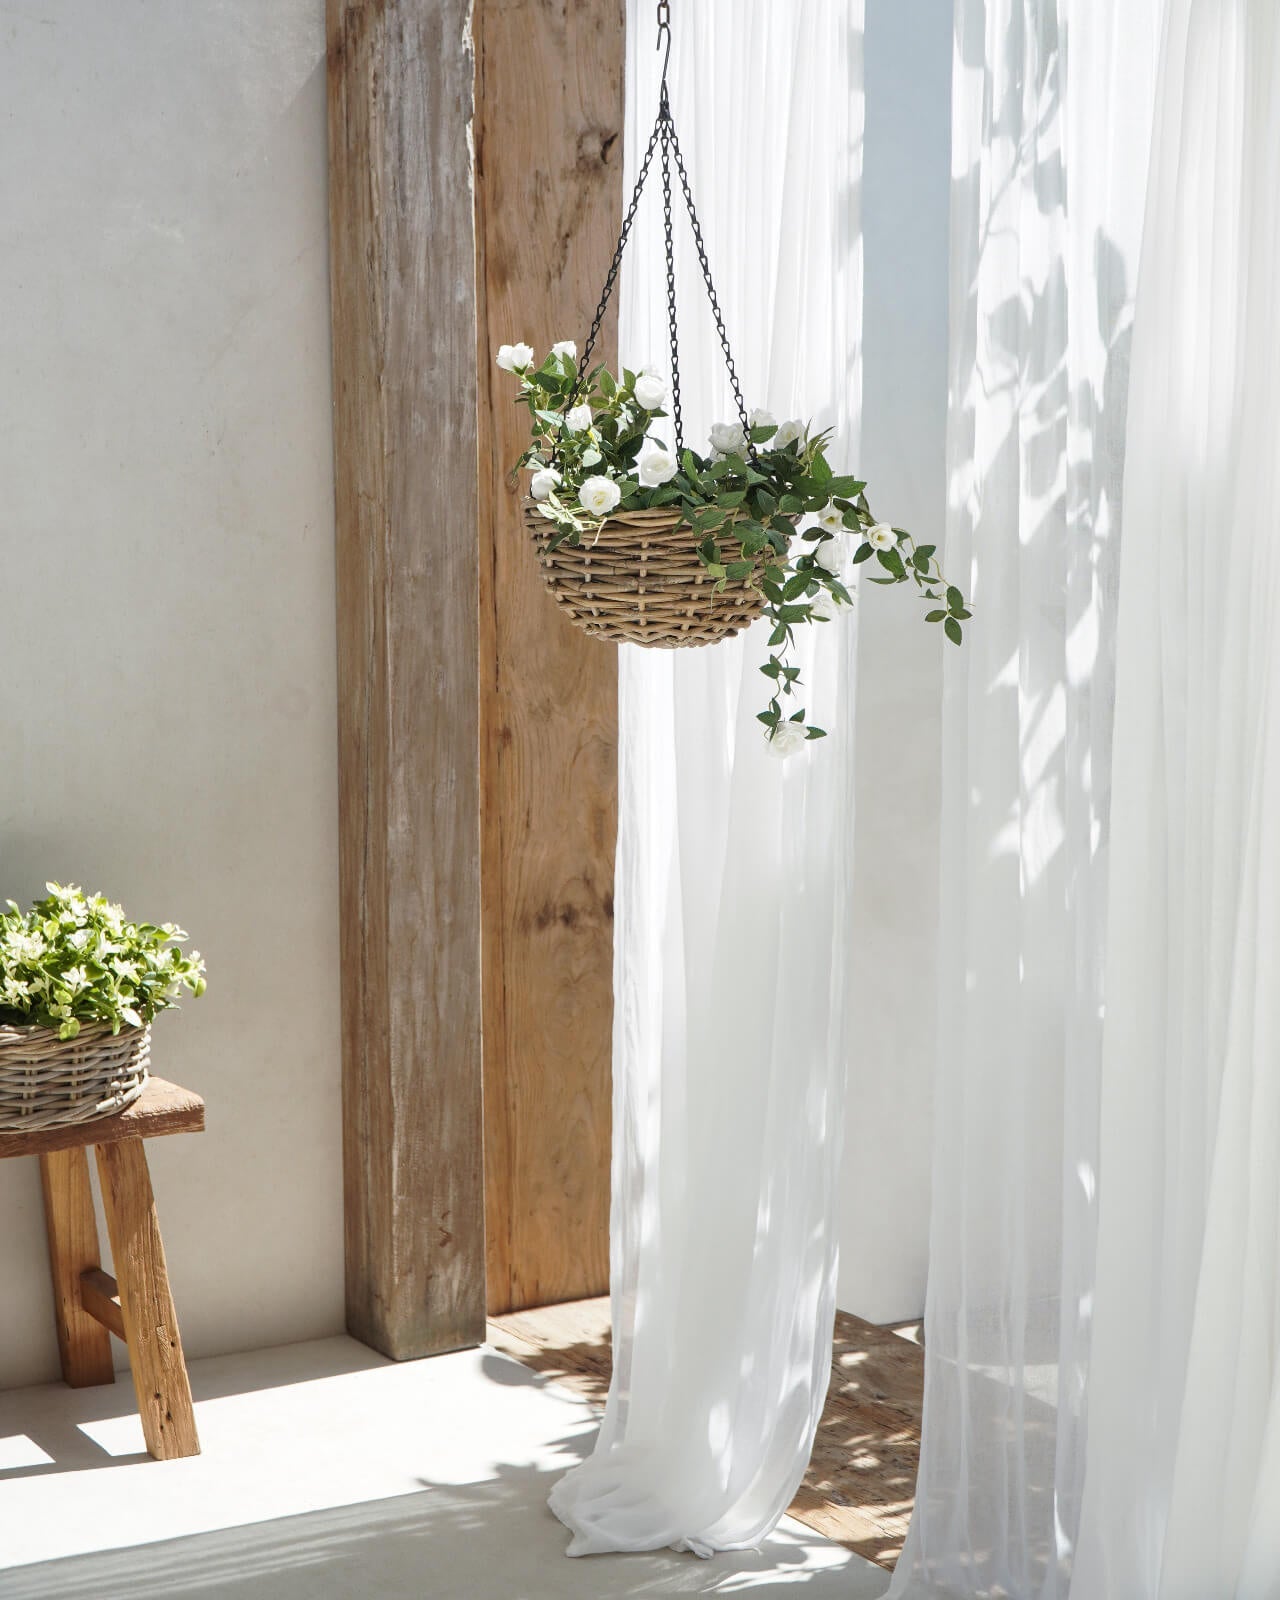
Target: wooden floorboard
[860, 1486]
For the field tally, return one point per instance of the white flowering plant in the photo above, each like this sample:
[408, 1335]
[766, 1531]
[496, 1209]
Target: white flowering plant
[75, 958]
[764, 505]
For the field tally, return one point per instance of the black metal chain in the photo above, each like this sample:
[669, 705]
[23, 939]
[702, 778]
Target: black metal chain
[677, 413]
[664, 135]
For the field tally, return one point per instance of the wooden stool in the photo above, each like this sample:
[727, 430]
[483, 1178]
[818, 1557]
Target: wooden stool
[89, 1303]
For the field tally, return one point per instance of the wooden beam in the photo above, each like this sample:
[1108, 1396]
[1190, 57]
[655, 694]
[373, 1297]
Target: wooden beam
[549, 205]
[402, 262]
[100, 1297]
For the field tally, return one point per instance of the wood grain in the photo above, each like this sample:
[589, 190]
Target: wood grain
[146, 1303]
[859, 1488]
[402, 266]
[84, 1347]
[161, 1108]
[548, 205]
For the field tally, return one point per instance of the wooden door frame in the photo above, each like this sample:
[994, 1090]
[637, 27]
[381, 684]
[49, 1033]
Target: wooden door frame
[477, 730]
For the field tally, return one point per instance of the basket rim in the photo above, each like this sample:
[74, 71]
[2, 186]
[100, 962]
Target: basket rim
[12, 1031]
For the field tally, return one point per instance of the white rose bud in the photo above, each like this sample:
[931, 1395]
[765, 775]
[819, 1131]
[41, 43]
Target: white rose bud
[787, 739]
[565, 348]
[515, 357]
[657, 466]
[579, 419]
[728, 438]
[832, 554]
[881, 536]
[787, 434]
[543, 482]
[826, 607]
[651, 392]
[831, 518]
[599, 496]
[760, 418]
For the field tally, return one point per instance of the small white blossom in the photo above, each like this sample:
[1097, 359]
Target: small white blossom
[728, 438]
[515, 357]
[543, 482]
[599, 496]
[787, 739]
[826, 607]
[881, 536]
[832, 555]
[831, 518]
[579, 419]
[657, 466]
[760, 418]
[566, 348]
[788, 433]
[651, 392]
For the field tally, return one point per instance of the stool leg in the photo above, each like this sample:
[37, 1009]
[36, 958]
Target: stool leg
[146, 1305]
[84, 1345]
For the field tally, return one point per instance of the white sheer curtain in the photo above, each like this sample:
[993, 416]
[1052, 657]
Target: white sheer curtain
[733, 867]
[1051, 128]
[1182, 1497]
[1159, 1310]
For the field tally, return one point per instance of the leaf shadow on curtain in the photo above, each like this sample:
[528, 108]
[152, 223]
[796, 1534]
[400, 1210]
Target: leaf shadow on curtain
[1040, 336]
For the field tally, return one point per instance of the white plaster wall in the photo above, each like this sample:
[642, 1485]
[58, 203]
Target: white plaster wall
[167, 724]
[884, 1221]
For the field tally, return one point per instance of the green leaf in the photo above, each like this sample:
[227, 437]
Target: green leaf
[952, 628]
[934, 616]
[864, 552]
[954, 598]
[737, 570]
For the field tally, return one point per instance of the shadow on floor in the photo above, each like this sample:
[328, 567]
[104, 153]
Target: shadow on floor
[485, 1541]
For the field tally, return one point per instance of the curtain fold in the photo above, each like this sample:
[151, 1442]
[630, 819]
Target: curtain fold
[1051, 114]
[732, 909]
[1181, 1499]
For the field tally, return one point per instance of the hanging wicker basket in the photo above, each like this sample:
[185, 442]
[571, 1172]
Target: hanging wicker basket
[46, 1081]
[640, 580]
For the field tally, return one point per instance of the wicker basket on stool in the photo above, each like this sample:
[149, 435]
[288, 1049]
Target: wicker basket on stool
[46, 1081]
[640, 580]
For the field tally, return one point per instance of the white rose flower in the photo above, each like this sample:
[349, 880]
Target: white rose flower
[543, 482]
[599, 496]
[826, 607]
[881, 536]
[787, 739]
[728, 438]
[566, 348]
[515, 357]
[657, 466]
[787, 434]
[832, 554]
[831, 518]
[651, 392]
[760, 418]
[579, 419]
[591, 457]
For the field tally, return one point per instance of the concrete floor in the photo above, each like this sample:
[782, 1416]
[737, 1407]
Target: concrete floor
[330, 1474]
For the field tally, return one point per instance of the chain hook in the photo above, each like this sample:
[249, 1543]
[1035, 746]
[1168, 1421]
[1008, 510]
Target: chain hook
[664, 37]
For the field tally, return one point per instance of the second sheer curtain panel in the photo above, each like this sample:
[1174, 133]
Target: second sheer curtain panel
[732, 930]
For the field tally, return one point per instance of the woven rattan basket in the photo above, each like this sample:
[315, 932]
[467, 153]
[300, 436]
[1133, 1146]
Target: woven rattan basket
[45, 1081]
[640, 579]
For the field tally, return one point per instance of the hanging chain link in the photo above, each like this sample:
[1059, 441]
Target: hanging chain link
[664, 136]
[677, 413]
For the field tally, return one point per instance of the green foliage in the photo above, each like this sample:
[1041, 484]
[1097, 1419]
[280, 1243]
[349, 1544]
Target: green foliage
[766, 509]
[74, 958]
